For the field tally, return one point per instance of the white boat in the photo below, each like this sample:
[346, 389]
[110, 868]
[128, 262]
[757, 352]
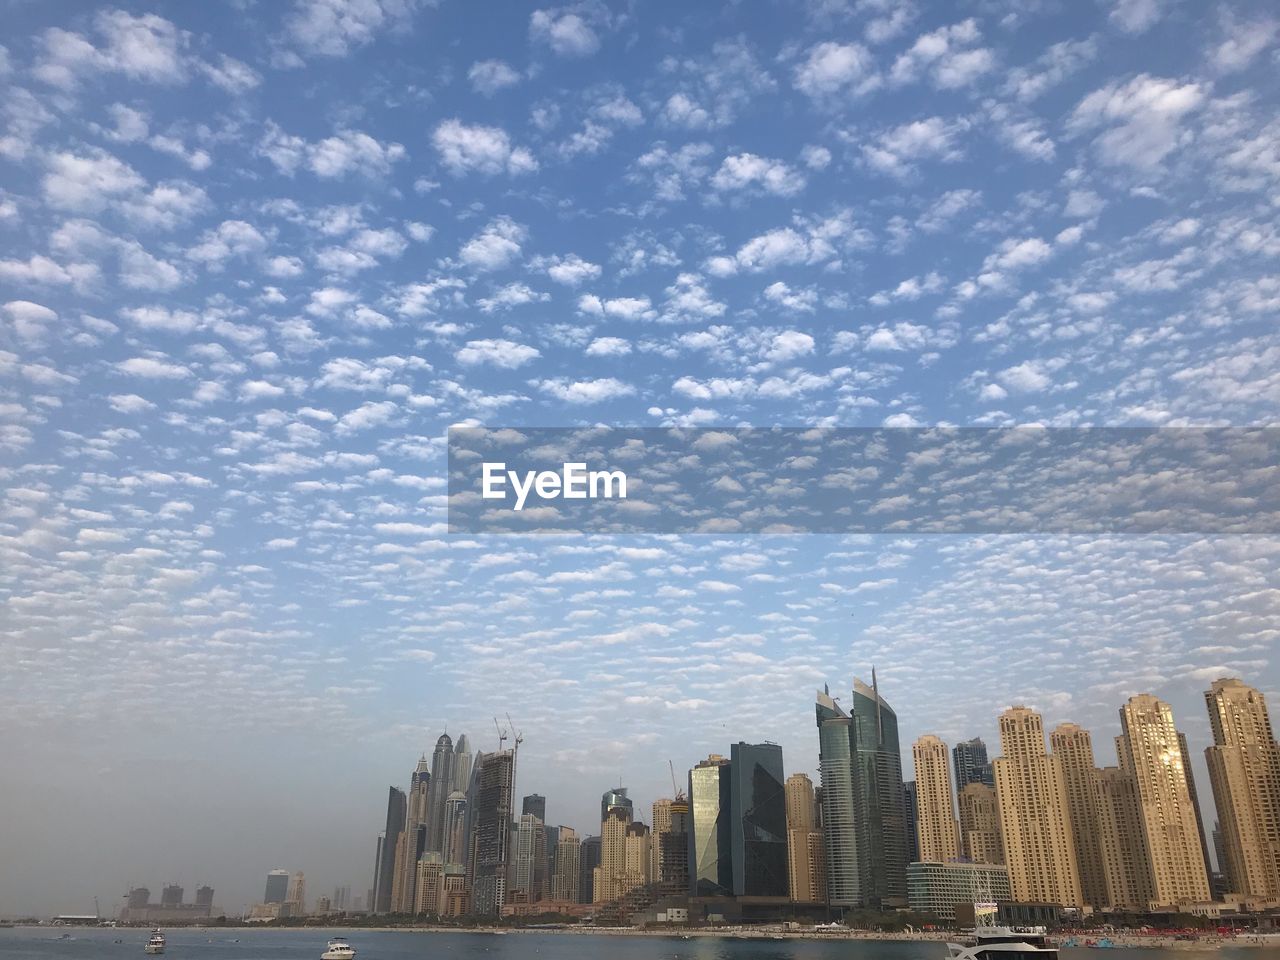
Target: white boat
[338, 949]
[156, 943]
[1005, 943]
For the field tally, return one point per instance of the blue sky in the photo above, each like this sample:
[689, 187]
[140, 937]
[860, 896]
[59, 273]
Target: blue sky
[256, 257]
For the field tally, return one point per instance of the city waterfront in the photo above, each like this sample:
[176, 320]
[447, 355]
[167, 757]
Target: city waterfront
[46, 943]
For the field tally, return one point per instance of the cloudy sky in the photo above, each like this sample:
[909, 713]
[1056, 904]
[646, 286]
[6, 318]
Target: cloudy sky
[256, 257]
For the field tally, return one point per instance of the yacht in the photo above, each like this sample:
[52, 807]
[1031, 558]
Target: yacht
[338, 949]
[156, 943]
[1005, 943]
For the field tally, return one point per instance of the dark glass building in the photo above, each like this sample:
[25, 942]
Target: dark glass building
[710, 830]
[913, 832]
[864, 808]
[758, 820]
[536, 804]
[971, 764]
[588, 860]
[491, 832]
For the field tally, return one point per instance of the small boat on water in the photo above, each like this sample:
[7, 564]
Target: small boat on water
[1005, 943]
[338, 949]
[155, 944]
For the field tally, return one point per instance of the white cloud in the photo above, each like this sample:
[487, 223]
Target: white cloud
[745, 170]
[1026, 377]
[490, 76]
[1142, 119]
[566, 33]
[347, 151]
[498, 353]
[333, 28]
[87, 182]
[570, 270]
[608, 347]
[31, 321]
[789, 345]
[1136, 16]
[494, 247]
[151, 368]
[161, 318]
[836, 70]
[476, 148]
[587, 391]
[372, 413]
[947, 55]
[897, 151]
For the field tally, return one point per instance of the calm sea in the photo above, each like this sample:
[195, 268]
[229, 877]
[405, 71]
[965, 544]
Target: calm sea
[44, 944]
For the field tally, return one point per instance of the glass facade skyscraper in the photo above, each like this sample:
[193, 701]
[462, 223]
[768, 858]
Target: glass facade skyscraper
[616, 798]
[710, 857]
[758, 820]
[864, 808]
[490, 832]
[971, 764]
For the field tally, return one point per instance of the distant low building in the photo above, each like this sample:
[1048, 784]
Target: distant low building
[938, 888]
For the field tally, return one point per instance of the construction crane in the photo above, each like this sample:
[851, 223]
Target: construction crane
[502, 734]
[676, 792]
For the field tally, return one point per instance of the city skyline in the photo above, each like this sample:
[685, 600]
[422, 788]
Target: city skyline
[256, 259]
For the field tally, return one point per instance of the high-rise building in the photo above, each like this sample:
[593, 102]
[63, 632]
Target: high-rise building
[637, 858]
[529, 857]
[1073, 745]
[204, 896]
[710, 856]
[609, 878]
[296, 899]
[806, 867]
[455, 828]
[441, 786]
[1195, 804]
[461, 764]
[490, 832]
[661, 825]
[171, 895]
[384, 869]
[673, 848]
[616, 798]
[938, 837]
[1120, 841]
[277, 886]
[429, 886]
[1244, 773]
[971, 764]
[1149, 750]
[564, 885]
[536, 804]
[835, 765]
[758, 826]
[1034, 822]
[414, 842]
[980, 824]
[588, 864]
[341, 899]
[911, 808]
[864, 807]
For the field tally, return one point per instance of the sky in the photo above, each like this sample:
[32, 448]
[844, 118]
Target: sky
[255, 258]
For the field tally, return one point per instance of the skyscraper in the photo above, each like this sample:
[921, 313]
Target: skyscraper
[910, 806]
[588, 861]
[455, 828]
[277, 885]
[1244, 773]
[438, 792]
[710, 858]
[1032, 796]
[1074, 746]
[462, 764]
[936, 829]
[536, 804]
[609, 881]
[616, 798]
[1120, 841]
[980, 824]
[673, 848]
[529, 856]
[1195, 804]
[971, 763]
[835, 765]
[806, 869]
[864, 807]
[882, 834]
[490, 831]
[564, 885]
[414, 841]
[758, 827]
[1149, 750]
[384, 868]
